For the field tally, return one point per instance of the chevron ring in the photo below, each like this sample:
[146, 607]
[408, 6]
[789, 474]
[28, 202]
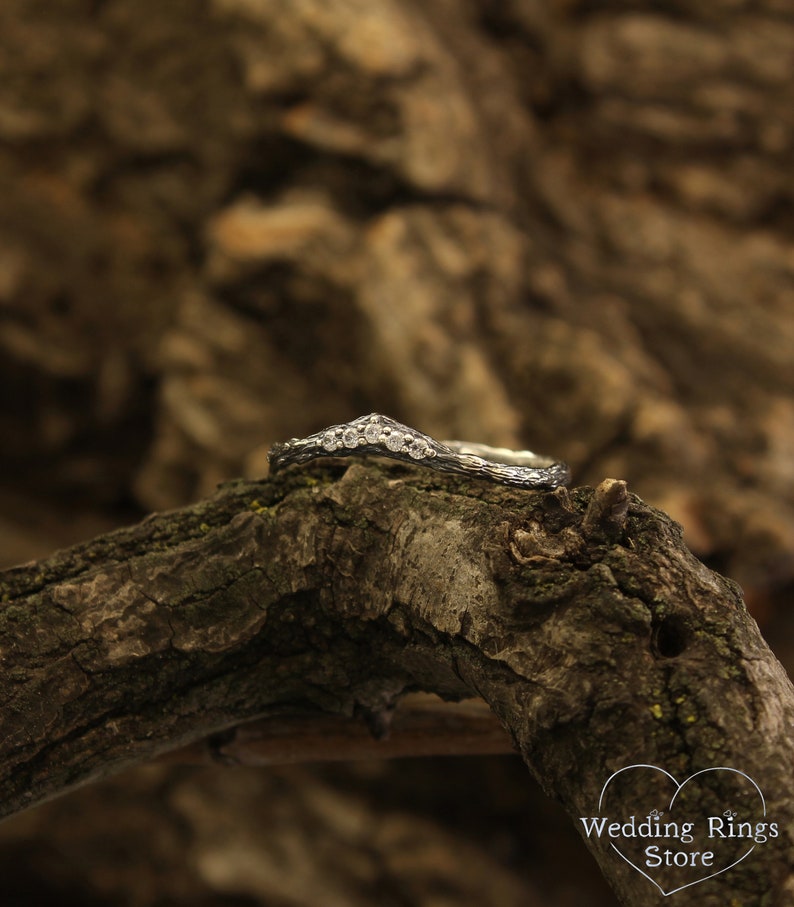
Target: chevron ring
[381, 436]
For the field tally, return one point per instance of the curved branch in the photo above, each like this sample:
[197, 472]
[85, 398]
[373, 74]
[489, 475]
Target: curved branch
[579, 617]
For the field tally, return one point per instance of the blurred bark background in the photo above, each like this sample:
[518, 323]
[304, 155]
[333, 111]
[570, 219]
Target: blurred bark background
[564, 225]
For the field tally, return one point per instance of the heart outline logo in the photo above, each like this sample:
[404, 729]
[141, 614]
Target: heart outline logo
[678, 790]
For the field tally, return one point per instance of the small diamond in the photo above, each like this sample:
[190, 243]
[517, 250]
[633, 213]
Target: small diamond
[372, 433]
[330, 441]
[394, 441]
[350, 437]
[418, 449]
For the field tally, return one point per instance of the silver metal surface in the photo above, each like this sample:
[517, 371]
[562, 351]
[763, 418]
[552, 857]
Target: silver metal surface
[381, 436]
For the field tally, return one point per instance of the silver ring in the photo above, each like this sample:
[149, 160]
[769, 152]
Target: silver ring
[381, 436]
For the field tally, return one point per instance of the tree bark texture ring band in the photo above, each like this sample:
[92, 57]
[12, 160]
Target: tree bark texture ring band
[381, 436]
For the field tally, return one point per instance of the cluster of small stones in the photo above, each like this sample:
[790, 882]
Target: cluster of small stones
[374, 432]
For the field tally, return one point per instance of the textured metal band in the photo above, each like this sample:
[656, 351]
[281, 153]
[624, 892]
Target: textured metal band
[382, 436]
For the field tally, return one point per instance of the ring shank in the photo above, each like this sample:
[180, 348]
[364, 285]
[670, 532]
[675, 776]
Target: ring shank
[501, 454]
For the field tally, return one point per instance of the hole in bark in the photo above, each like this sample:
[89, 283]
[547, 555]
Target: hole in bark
[670, 636]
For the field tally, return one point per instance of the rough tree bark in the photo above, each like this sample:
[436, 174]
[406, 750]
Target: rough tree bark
[579, 616]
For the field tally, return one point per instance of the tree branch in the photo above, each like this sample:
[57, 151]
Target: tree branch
[579, 617]
[420, 725]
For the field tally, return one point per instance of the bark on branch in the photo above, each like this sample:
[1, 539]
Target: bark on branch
[579, 616]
